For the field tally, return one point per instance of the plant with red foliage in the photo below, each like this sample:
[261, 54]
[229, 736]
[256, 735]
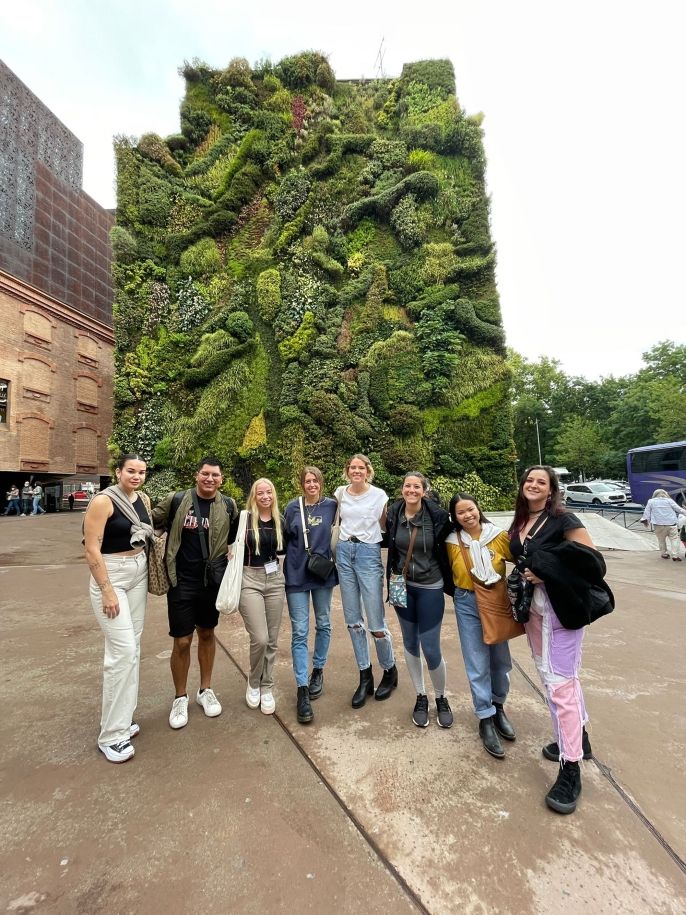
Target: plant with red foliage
[298, 111]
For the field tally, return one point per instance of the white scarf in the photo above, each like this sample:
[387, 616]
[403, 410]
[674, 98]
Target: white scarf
[483, 569]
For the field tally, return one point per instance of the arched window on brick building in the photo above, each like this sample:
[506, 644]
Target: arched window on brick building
[86, 394]
[34, 440]
[37, 329]
[37, 379]
[87, 350]
[86, 449]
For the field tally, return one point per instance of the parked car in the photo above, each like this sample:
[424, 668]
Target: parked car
[621, 485]
[81, 497]
[595, 493]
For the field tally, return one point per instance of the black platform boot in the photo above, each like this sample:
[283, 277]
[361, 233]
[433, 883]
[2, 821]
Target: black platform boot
[366, 687]
[562, 797]
[316, 683]
[551, 751]
[305, 713]
[389, 681]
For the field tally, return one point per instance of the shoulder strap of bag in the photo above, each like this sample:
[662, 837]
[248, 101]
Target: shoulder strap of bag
[540, 521]
[201, 531]
[302, 518]
[410, 549]
[465, 556]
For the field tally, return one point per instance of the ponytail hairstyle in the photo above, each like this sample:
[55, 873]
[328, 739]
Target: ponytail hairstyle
[254, 512]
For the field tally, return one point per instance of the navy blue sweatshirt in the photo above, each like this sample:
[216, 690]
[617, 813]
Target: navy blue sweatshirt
[319, 519]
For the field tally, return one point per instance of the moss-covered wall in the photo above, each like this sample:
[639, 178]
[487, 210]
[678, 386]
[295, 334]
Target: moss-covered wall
[306, 270]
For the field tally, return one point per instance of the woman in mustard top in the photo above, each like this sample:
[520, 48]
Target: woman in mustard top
[487, 666]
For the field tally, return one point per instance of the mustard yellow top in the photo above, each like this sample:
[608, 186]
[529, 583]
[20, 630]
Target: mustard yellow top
[500, 552]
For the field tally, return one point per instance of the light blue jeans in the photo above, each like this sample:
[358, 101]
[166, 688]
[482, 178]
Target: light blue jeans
[361, 579]
[488, 666]
[299, 612]
[37, 507]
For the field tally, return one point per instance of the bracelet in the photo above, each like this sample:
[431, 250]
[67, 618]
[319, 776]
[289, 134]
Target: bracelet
[105, 584]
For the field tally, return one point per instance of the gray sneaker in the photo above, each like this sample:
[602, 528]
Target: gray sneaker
[444, 716]
[420, 715]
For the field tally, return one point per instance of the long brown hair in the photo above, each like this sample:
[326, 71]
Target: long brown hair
[554, 504]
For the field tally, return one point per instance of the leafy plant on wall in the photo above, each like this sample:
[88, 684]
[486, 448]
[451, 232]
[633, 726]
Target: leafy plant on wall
[306, 270]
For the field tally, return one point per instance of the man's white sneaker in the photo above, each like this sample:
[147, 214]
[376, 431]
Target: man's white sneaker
[178, 717]
[134, 730]
[267, 704]
[118, 752]
[209, 702]
[252, 697]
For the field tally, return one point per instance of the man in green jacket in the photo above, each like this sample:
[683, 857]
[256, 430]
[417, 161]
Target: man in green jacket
[187, 517]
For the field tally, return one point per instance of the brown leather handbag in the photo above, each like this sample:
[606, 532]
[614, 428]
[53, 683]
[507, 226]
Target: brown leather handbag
[494, 608]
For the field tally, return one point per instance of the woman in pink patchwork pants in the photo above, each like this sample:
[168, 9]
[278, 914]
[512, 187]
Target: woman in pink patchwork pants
[556, 650]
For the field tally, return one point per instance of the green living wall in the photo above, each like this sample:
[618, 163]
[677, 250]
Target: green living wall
[304, 271]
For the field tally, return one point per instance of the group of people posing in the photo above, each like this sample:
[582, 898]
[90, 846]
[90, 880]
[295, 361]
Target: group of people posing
[431, 552]
[24, 502]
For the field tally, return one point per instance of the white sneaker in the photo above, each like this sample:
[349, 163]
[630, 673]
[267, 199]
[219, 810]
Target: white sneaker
[252, 697]
[209, 702]
[267, 704]
[134, 730]
[118, 752]
[178, 717]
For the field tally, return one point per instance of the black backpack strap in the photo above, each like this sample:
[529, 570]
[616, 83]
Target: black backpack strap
[174, 507]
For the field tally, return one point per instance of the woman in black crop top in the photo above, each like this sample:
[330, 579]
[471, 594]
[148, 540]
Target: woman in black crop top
[541, 522]
[263, 590]
[116, 530]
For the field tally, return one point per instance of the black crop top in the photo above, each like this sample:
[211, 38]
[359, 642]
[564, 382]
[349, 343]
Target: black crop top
[117, 534]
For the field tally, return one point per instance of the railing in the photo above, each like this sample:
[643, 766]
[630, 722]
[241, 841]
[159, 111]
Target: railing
[628, 516]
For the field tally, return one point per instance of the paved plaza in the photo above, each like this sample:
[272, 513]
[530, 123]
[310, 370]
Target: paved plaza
[357, 812]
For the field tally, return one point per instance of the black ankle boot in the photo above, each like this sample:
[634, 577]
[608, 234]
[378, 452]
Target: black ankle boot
[305, 714]
[316, 683]
[489, 737]
[552, 752]
[366, 687]
[563, 795]
[389, 681]
[503, 725]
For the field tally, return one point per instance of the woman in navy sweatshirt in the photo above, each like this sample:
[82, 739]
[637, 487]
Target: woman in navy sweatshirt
[319, 513]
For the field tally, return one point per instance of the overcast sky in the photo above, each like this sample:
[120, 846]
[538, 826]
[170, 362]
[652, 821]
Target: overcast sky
[584, 133]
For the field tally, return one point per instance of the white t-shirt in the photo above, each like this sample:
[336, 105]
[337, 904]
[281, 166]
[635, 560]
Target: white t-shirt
[360, 514]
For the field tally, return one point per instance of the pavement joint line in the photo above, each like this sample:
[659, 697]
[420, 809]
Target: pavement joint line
[606, 772]
[369, 839]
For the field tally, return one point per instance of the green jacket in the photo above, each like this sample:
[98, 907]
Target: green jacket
[221, 516]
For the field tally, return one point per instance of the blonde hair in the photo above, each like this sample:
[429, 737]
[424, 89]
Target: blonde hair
[660, 494]
[254, 512]
[365, 460]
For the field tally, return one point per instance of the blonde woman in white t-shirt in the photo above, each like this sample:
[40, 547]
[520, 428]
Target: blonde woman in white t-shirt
[361, 575]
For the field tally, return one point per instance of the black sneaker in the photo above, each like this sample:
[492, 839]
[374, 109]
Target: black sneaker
[118, 752]
[420, 715]
[304, 709]
[444, 714]
[552, 752]
[316, 686]
[562, 797]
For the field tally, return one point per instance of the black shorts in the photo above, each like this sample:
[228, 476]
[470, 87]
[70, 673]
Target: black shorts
[191, 604]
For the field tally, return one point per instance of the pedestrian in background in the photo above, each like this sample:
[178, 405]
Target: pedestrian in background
[26, 496]
[37, 494]
[12, 502]
[663, 513]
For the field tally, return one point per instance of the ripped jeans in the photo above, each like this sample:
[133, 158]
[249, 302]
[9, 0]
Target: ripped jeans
[557, 654]
[361, 578]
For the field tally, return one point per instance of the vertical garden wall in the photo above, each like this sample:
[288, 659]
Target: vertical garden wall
[306, 270]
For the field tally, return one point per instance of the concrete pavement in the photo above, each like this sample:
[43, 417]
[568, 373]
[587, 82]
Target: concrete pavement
[359, 811]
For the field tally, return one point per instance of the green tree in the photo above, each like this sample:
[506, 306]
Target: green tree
[580, 446]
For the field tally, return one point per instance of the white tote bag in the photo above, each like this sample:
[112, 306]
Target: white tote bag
[230, 589]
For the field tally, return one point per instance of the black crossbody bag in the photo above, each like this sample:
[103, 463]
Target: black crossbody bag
[320, 566]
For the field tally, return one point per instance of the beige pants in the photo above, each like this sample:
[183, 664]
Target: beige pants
[664, 533]
[261, 606]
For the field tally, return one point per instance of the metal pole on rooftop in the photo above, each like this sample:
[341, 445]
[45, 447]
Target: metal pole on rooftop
[538, 440]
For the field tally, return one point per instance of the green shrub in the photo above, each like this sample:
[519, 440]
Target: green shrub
[269, 293]
[405, 223]
[155, 148]
[423, 185]
[240, 326]
[201, 259]
[292, 347]
[124, 246]
[436, 74]
[292, 193]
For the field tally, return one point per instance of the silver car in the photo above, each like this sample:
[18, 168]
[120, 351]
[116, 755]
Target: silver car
[594, 494]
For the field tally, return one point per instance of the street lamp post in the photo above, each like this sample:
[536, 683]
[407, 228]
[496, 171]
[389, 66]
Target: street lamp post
[538, 441]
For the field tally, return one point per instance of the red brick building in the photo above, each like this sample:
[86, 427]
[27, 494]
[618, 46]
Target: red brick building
[56, 346]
